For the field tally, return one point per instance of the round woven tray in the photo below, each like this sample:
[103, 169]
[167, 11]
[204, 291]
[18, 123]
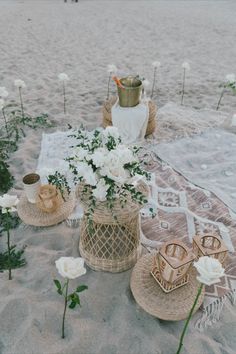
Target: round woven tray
[30, 214]
[107, 120]
[174, 306]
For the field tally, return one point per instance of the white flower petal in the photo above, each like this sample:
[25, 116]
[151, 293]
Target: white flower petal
[63, 77]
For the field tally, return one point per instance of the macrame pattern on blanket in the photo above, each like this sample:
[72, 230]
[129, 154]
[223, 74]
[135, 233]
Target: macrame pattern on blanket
[185, 210]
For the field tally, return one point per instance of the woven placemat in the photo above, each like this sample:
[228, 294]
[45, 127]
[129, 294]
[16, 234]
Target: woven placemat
[174, 306]
[30, 214]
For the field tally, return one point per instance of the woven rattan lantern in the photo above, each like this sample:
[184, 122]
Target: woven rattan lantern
[210, 245]
[49, 198]
[114, 243]
[171, 265]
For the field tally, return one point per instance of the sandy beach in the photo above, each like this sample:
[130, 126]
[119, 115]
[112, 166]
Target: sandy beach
[40, 39]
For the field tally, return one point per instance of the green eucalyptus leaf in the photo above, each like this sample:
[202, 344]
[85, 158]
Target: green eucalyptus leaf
[72, 305]
[81, 288]
[58, 285]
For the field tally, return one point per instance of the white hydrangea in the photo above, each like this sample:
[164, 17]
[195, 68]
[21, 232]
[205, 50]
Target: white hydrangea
[19, 83]
[186, 65]
[156, 64]
[112, 69]
[230, 78]
[63, 77]
[3, 92]
[100, 192]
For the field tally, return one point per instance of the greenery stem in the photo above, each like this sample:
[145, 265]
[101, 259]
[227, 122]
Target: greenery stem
[9, 247]
[221, 96]
[188, 319]
[64, 96]
[108, 87]
[154, 81]
[65, 307]
[21, 103]
[5, 120]
[183, 88]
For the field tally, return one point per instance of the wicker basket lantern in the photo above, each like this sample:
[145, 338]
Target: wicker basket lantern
[113, 245]
[171, 265]
[210, 245]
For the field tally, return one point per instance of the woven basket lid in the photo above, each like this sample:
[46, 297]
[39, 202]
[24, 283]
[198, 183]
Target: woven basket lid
[174, 306]
[30, 214]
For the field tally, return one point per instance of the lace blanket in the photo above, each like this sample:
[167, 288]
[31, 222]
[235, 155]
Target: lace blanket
[184, 210]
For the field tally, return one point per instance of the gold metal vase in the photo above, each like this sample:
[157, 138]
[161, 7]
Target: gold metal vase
[129, 95]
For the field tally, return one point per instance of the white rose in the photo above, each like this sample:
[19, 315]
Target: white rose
[111, 131]
[8, 203]
[63, 77]
[82, 153]
[233, 122]
[125, 155]
[230, 78]
[156, 64]
[86, 171]
[112, 69]
[99, 157]
[19, 83]
[145, 84]
[210, 270]
[3, 92]
[70, 267]
[100, 192]
[186, 66]
[116, 173]
[2, 103]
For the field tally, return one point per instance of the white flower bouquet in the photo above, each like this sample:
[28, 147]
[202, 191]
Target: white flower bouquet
[109, 171]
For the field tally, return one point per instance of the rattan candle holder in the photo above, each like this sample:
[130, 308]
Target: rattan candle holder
[210, 245]
[171, 265]
[49, 198]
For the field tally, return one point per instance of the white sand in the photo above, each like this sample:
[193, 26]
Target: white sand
[38, 40]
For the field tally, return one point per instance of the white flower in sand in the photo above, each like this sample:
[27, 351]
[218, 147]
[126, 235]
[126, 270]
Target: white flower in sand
[156, 64]
[19, 83]
[3, 92]
[8, 203]
[2, 103]
[233, 122]
[230, 78]
[145, 83]
[210, 270]
[63, 77]
[100, 192]
[112, 69]
[186, 65]
[70, 267]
